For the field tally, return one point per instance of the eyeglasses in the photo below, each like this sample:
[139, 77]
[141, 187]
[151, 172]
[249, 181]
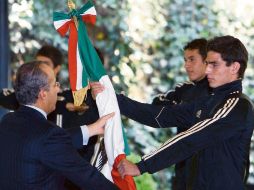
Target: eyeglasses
[57, 84]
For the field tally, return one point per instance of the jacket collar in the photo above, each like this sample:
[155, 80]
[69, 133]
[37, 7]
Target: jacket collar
[30, 112]
[38, 109]
[202, 81]
[235, 86]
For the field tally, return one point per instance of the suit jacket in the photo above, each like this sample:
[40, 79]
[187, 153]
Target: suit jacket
[69, 119]
[36, 154]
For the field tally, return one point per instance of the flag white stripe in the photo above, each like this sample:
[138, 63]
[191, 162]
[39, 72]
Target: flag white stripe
[90, 11]
[79, 71]
[58, 24]
[201, 125]
[107, 103]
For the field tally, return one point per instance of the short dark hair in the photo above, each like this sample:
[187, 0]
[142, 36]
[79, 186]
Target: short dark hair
[30, 79]
[199, 44]
[231, 50]
[52, 53]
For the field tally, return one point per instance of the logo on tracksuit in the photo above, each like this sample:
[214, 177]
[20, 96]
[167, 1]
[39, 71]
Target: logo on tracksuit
[198, 114]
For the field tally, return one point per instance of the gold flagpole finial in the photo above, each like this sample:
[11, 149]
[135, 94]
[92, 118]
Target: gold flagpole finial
[72, 6]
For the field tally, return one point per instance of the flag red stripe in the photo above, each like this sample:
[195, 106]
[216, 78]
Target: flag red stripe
[124, 184]
[63, 29]
[89, 18]
[72, 55]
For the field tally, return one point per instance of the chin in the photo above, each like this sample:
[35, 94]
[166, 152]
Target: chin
[192, 79]
[52, 109]
[213, 85]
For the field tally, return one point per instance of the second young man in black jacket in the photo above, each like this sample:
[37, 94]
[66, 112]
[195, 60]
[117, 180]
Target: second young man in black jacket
[194, 58]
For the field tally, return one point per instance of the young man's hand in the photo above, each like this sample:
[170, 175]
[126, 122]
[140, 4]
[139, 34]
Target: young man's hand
[96, 88]
[126, 167]
[71, 107]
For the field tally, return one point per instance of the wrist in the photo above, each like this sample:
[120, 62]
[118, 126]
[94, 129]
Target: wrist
[90, 130]
[141, 167]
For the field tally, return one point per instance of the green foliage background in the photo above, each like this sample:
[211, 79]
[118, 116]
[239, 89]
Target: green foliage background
[142, 42]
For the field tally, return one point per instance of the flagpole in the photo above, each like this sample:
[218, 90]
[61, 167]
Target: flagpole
[72, 6]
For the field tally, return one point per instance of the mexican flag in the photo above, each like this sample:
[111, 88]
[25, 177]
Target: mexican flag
[84, 66]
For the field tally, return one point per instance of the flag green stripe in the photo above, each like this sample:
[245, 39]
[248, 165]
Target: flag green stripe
[87, 6]
[90, 59]
[60, 16]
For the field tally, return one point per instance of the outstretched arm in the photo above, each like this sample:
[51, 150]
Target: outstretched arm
[231, 125]
[81, 135]
[152, 115]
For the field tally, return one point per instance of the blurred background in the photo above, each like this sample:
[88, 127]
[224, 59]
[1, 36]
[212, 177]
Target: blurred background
[142, 42]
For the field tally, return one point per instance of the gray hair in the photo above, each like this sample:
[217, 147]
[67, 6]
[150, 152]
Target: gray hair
[30, 80]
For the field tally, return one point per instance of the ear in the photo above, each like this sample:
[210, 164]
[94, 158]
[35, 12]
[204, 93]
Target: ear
[42, 95]
[235, 67]
[57, 69]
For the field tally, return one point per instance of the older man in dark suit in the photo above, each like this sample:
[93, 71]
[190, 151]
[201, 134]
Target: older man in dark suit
[35, 153]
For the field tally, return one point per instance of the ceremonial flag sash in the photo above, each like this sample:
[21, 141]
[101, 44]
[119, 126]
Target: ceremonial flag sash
[79, 74]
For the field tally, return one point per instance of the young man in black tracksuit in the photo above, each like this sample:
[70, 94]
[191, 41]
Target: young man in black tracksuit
[194, 57]
[219, 126]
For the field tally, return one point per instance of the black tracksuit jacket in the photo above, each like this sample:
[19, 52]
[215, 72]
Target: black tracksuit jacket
[184, 93]
[219, 127]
